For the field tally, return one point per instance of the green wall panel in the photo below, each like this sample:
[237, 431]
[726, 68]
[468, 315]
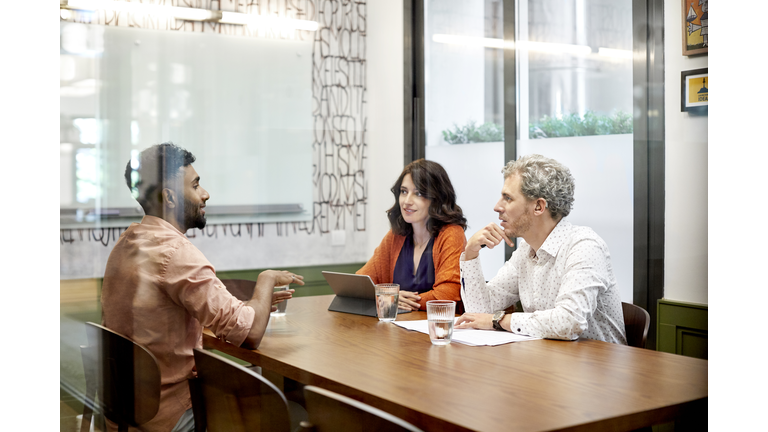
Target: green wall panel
[682, 328]
[314, 282]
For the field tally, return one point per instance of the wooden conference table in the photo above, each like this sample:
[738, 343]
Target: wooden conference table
[540, 385]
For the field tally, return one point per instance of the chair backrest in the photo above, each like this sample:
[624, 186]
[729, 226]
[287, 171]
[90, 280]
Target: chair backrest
[240, 288]
[127, 377]
[329, 411]
[237, 399]
[636, 322]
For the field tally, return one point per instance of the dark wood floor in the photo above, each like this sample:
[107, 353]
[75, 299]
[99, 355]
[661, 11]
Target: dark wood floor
[70, 411]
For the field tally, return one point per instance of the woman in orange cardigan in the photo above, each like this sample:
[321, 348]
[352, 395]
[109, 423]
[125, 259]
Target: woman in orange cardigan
[422, 249]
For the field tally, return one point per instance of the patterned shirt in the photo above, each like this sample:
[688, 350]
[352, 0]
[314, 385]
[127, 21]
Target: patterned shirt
[566, 288]
[160, 291]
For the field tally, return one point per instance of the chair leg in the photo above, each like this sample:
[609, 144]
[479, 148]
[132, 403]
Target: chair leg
[100, 421]
[85, 426]
[198, 405]
[88, 355]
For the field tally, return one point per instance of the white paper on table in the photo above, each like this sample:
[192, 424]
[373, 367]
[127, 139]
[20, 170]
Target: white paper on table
[472, 337]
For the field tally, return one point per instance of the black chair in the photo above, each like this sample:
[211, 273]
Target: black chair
[636, 324]
[332, 412]
[234, 398]
[240, 288]
[124, 374]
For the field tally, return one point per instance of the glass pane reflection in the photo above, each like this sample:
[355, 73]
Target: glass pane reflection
[575, 104]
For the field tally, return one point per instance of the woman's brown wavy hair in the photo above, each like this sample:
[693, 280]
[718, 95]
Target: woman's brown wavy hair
[432, 181]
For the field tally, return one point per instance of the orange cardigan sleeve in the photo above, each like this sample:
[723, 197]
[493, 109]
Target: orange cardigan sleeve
[446, 252]
[381, 266]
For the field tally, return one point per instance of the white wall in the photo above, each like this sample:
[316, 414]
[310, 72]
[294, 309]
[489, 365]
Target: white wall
[385, 112]
[686, 241]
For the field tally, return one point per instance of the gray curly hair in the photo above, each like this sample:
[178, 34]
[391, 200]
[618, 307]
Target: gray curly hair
[542, 177]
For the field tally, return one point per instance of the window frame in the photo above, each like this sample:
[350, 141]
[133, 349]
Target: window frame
[648, 126]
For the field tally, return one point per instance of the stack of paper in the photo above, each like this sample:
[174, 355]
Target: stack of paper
[470, 336]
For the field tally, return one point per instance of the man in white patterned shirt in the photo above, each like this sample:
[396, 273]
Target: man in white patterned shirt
[561, 273]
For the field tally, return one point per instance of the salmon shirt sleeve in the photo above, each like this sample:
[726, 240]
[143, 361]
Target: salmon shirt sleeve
[192, 283]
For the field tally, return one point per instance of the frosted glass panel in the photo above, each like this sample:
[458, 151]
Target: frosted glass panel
[475, 172]
[243, 106]
[464, 110]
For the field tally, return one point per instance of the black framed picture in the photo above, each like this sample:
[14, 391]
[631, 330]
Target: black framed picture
[694, 90]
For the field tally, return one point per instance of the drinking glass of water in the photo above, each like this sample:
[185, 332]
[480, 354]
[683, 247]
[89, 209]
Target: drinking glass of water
[282, 305]
[386, 301]
[440, 318]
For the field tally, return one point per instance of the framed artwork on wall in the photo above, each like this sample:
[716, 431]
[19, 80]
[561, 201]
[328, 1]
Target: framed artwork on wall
[694, 94]
[695, 27]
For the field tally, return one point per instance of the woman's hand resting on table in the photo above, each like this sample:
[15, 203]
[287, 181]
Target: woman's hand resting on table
[409, 300]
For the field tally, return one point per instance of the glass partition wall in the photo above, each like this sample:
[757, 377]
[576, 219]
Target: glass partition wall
[573, 94]
[464, 105]
[242, 105]
[574, 68]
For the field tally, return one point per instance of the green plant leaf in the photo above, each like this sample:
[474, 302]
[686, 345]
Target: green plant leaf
[469, 133]
[573, 125]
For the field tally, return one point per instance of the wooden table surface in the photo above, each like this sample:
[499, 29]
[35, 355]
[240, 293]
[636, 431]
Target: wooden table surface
[539, 385]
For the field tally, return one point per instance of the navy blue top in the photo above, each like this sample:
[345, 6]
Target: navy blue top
[424, 278]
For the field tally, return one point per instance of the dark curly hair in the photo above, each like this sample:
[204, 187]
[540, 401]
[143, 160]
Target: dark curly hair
[157, 166]
[432, 181]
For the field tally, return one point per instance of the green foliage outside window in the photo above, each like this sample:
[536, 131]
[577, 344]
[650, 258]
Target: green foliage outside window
[548, 127]
[487, 132]
[573, 125]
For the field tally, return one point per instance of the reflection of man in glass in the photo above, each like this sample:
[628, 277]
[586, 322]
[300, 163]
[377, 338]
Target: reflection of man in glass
[160, 291]
[560, 272]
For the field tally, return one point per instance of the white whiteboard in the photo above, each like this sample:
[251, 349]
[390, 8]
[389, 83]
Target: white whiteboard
[243, 106]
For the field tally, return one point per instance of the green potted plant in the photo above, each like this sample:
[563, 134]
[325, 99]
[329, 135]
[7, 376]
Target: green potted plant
[573, 125]
[470, 133]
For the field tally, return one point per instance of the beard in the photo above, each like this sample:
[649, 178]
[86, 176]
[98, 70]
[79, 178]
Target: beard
[193, 217]
[519, 226]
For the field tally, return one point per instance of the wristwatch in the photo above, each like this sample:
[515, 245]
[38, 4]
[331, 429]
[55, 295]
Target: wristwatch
[497, 316]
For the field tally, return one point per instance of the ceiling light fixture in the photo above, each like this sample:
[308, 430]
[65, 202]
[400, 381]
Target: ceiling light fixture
[555, 48]
[615, 53]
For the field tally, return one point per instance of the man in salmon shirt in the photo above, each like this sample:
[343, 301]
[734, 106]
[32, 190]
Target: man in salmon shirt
[160, 291]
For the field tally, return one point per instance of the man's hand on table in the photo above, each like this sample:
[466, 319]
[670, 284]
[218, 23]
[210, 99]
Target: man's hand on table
[264, 298]
[283, 278]
[478, 321]
[482, 321]
[280, 296]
